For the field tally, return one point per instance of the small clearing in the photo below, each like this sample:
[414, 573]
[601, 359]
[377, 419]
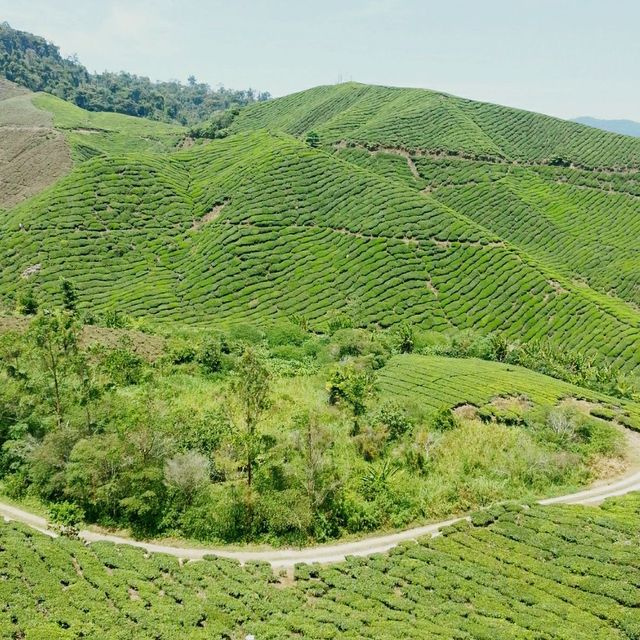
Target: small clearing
[209, 217]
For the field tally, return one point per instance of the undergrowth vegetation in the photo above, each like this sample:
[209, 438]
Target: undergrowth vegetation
[274, 433]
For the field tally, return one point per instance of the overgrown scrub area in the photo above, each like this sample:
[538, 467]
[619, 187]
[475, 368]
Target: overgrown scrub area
[272, 433]
[562, 573]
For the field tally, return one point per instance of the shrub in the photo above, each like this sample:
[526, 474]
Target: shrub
[209, 355]
[444, 420]
[124, 366]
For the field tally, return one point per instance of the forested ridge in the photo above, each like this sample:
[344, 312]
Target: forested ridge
[37, 64]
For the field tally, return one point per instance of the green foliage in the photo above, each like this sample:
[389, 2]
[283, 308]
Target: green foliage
[249, 393]
[405, 339]
[216, 127]
[123, 365]
[313, 139]
[66, 517]
[69, 296]
[444, 420]
[37, 64]
[27, 302]
[353, 385]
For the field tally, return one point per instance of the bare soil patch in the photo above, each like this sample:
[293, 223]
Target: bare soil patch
[33, 155]
[209, 217]
[150, 347]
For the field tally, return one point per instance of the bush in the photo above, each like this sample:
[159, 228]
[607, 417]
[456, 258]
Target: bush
[393, 418]
[209, 355]
[286, 334]
[444, 420]
[124, 366]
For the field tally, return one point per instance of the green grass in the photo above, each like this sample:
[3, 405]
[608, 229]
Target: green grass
[562, 573]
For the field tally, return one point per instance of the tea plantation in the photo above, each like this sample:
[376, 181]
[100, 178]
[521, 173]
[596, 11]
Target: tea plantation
[260, 226]
[435, 382]
[428, 121]
[563, 572]
[309, 318]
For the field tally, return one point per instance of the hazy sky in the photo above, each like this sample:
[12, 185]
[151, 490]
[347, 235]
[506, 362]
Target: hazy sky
[562, 57]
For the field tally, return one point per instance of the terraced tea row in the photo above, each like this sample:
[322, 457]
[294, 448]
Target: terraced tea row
[583, 224]
[260, 226]
[435, 382]
[92, 133]
[546, 572]
[421, 120]
[586, 234]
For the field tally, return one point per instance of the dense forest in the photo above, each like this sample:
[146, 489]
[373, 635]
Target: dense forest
[33, 62]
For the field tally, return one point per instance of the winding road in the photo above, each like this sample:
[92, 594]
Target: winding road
[324, 554]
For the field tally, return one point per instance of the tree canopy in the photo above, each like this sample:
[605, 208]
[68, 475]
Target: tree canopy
[37, 64]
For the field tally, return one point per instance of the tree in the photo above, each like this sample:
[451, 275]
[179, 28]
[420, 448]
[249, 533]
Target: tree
[69, 296]
[55, 338]
[318, 471]
[27, 302]
[250, 393]
[405, 339]
[354, 386]
[187, 473]
[313, 139]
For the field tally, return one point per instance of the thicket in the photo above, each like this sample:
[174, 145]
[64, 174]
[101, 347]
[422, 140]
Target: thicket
[263, 433]
[33, 62]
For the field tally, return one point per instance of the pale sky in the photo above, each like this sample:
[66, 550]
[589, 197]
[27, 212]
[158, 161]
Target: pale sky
[562, 57]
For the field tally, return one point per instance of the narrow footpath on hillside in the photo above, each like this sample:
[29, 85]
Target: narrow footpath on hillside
[326, 554]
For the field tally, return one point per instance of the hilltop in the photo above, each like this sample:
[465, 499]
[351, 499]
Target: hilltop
[420, 120]
[36, 64]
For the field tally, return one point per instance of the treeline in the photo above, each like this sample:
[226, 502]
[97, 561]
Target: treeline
[34, 63]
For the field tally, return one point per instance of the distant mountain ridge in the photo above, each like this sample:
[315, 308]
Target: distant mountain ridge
[624, 127]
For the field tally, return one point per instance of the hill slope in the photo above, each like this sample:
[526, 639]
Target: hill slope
[33, 155]
[421, 120]
[260, 226]
[41, 136]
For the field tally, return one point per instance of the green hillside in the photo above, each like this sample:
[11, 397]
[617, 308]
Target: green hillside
[95, 133]
[560, 573]
[435, 382]
[427, 121]
[261, 226]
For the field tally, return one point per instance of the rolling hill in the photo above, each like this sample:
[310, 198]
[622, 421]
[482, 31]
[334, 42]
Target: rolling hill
[428, 121]
[418, 206]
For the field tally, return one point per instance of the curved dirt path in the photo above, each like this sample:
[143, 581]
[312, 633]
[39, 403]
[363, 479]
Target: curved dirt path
[287, 558]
